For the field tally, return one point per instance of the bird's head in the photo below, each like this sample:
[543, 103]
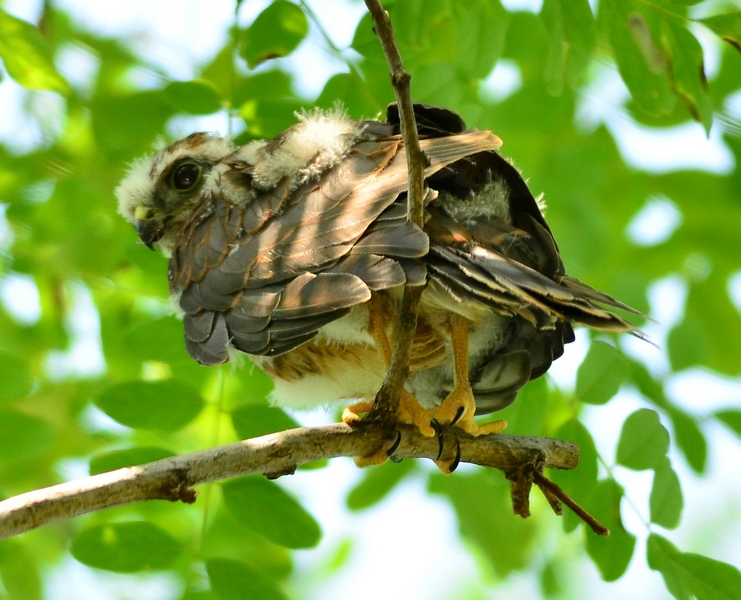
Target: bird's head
[159, 192]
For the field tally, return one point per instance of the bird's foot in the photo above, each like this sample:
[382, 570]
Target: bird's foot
[457, 410]
[410, 412]
[351, 416]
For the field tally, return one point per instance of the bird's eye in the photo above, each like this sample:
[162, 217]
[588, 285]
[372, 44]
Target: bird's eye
[186, 176]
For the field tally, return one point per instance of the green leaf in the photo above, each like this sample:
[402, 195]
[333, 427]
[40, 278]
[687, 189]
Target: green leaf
[267, 118]
[354, 93]
[23, 437]
[611, 554]
[484, 509]
[643, 67]
[226, 538]
[551, 582]
[666, 500]
[339, 557]
[146, 113]
[118, 459]
[481, 30]
[159, 340]
[438, 83]
[644, 441]
[689, 575]
[527, 415]
[731, 418]
[253, 420]
[651, 388]
[276, 32]
[661, 555]
[19, 572]
[573, 37]
[126, 547]
[687, 70]
[264, 507]
[727, 26]
[687, 344]
[601, 374]
[27, 57]
[689, 438]
[265, 85]
[199, 595]
[15, 376]
[235, 580]
[197, 97]
[166, 405]
[377, 484]
[705, 335]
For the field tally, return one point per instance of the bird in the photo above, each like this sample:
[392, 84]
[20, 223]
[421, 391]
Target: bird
[296, 250]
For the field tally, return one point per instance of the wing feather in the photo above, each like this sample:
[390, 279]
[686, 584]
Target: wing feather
[405, 241]
[377, 272]
[214, 350]
[308, 295]
[199, 326]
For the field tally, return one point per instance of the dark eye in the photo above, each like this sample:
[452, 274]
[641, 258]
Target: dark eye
[186, 176]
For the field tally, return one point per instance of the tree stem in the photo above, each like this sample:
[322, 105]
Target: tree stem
[272, 455]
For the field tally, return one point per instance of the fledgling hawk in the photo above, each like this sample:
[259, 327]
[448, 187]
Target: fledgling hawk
[296, 250]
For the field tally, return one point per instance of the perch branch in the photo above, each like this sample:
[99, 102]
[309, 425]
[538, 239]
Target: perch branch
[271, 455]
[387, 399]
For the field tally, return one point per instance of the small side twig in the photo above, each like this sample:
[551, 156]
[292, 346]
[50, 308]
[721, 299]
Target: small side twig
[387, 399]
[555, 495]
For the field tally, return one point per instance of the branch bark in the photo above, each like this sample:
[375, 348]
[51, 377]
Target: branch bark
[271, 455]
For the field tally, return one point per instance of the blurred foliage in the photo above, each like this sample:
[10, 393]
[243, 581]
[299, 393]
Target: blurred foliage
[147, 400]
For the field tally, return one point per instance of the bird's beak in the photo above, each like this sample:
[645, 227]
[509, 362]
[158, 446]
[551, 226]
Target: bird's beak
[149, 225]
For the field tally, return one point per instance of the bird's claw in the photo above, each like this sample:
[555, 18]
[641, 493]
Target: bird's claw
[457, 460]
[393, 448]
[448, 466]
[440, 431]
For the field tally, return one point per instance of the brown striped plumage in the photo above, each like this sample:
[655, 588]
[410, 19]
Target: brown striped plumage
[284, 250]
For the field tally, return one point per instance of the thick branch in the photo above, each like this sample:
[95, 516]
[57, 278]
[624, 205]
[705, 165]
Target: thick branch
[387, 399]
[272, 455]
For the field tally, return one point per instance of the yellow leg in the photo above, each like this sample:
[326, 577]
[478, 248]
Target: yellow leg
[351, 414]
[410, 411]
[459, 406]
[462, 395]
[457, 409]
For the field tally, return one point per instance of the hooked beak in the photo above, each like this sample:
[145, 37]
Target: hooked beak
[149, 225]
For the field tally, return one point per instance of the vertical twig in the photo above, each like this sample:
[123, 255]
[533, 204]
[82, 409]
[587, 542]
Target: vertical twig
[387, 399]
